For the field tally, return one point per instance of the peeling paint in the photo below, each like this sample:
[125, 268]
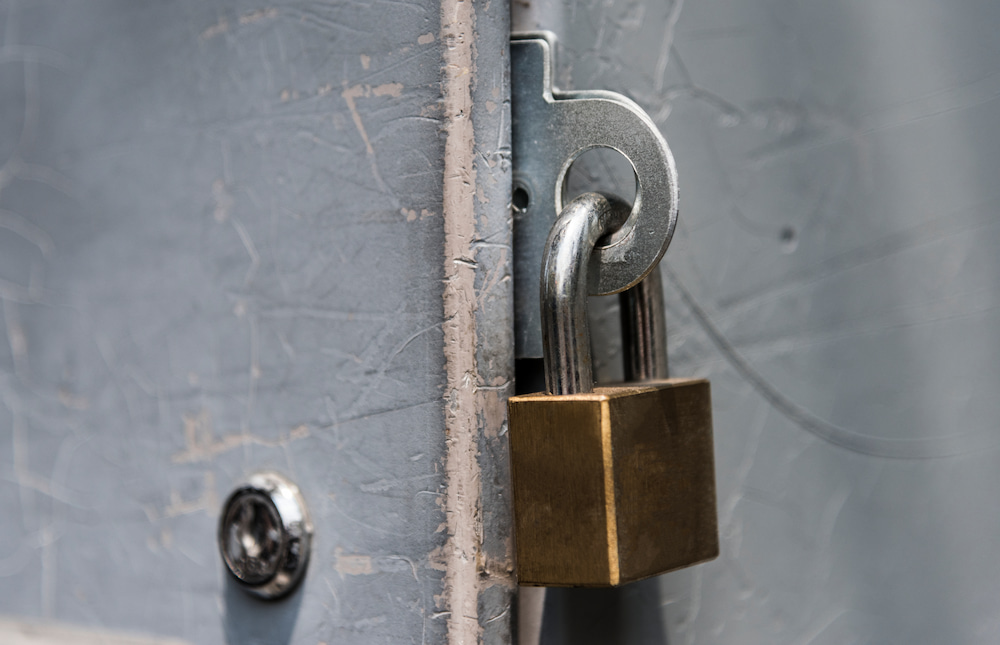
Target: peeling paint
[200, 443]
[221, 27]
[15, 632]
[223, 200]
[352, 565]
[351, 95]
[462, 500]
[258, 15]
[208, 502]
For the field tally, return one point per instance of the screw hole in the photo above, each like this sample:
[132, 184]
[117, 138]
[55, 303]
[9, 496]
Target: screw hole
[520, 199]
[789, 238]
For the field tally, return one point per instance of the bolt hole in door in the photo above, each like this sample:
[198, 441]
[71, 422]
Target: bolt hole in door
[520, 199]
[789, 238]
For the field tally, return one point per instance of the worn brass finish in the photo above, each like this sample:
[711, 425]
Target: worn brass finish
[615, 485]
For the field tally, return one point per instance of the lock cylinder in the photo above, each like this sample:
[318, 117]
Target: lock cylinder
[264, 535]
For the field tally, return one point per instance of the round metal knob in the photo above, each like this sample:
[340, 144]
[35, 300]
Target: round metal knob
[264, 535]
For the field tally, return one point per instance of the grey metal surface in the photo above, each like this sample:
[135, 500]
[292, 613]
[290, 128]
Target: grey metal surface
[563, 298]
[222, 251]
[834, 272]
[551, 129]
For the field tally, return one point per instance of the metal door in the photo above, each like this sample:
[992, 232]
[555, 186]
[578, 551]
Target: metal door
[834, 272]
[236, 237]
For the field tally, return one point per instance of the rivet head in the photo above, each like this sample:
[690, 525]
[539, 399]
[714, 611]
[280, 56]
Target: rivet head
[265, 534]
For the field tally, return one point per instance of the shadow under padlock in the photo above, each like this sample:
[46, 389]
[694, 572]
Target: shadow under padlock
[629, 615]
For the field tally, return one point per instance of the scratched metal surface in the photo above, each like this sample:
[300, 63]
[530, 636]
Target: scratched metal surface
[835, 273]
[220, 251]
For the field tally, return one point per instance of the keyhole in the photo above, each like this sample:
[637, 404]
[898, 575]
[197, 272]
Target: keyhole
[253, 538]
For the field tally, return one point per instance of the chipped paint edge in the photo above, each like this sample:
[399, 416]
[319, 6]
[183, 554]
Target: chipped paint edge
[462, 499]
[19, 632]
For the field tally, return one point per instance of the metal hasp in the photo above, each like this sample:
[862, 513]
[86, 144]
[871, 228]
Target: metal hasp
[265, 534]
[550, 130]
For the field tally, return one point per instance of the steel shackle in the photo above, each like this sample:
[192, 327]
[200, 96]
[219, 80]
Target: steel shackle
[644, 329]
[565, 329]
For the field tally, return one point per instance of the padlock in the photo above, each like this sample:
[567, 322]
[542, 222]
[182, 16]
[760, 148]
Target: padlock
[610, 484]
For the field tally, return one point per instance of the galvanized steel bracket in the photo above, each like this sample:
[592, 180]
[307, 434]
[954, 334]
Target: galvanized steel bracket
[550, 130]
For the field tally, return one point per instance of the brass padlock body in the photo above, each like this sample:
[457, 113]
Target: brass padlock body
[615, 485]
